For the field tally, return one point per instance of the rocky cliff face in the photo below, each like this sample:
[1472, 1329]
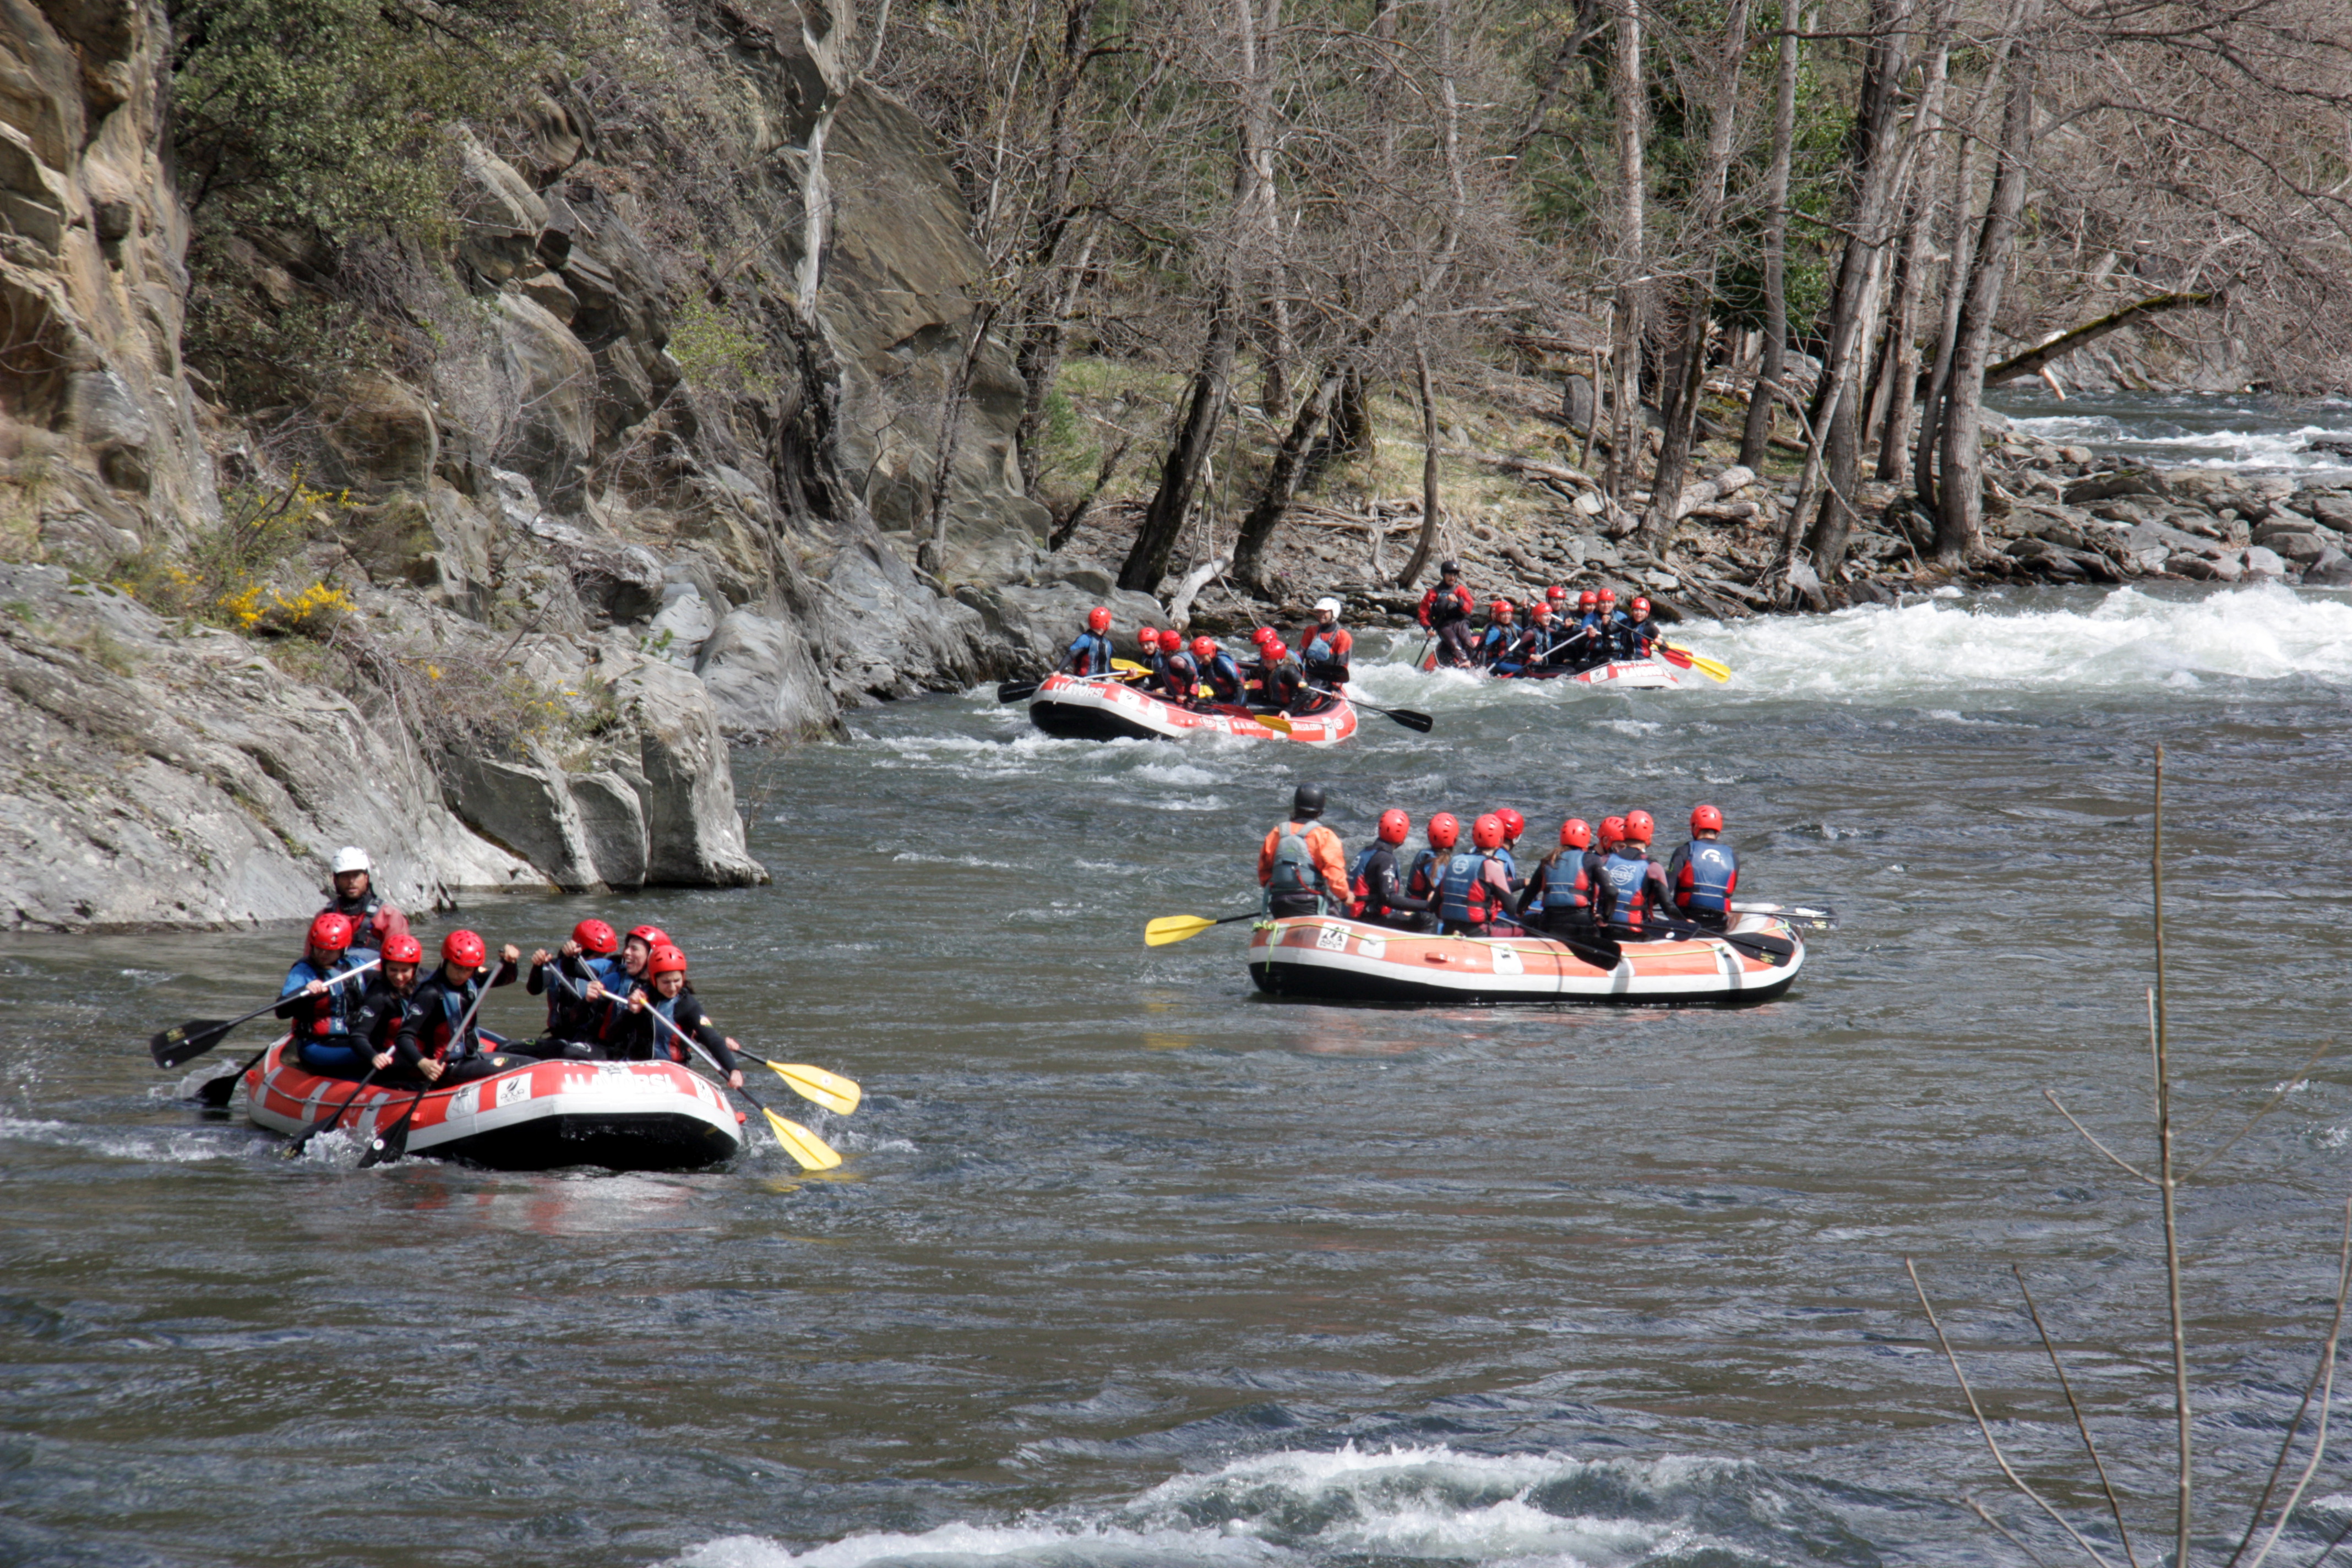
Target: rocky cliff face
[540, 487]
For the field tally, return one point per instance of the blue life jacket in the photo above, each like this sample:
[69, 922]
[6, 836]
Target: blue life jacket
[1463, 897]
[1224, 678]
[1321, 647]
[1567, 891]
[1428, 870]
[334, 1009]
[1628, 879]
[1710, 871]
[666, 1046]
[1089, 655]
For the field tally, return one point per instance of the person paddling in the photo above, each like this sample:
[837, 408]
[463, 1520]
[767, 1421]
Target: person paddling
[1282, 679]
[1703, 877]
[1325, 648]
[1090, 654]
[319, 991]
[356, 900]
[1220, 671]
[576, 1024]
[1500, 640]
[1302, 866]
[1429, 867]
[1445, 610]
[643, 1040]
[1636, 634]
[1378, 892]
[1633, 895]
[1558, 896]
[1476, 895]
[427, 1043]
[391, 995]
[1175, 675]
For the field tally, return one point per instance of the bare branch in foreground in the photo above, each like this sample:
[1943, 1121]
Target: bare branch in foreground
[2067, 1388]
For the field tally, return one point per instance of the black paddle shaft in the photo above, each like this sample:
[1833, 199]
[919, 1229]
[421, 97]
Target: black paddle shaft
[186, 1042]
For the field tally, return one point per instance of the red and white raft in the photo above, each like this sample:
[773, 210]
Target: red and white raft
[1077, 708]
[624, 1116]
[1328, 959]
[1623, 675]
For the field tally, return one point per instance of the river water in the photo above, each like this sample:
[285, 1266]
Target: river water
[1128, 1268]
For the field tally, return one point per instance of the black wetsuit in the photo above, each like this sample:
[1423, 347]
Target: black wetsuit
[636, 1038]
[428, 1029]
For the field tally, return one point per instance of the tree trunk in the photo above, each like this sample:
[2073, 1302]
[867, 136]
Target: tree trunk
[1039, 357]
[1899, 364]
[1962, 207]
[1179, 475]
[932, 555]
[1757, 433]
[1681, 416]
[1258, 146]
[1351, 420]
[1960, 512]
[1626, 313]
[1282, 479]
[1426, 545]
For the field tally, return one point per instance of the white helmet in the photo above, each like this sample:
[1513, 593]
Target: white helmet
[1328, 603]
[351, 857]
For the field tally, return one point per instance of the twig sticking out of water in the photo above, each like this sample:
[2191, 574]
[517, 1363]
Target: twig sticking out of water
[1985, 1426]
[2067, 1388]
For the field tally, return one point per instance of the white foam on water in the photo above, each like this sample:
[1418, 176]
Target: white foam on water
[1928, 653]
[159, 1147]
[1418, 1504]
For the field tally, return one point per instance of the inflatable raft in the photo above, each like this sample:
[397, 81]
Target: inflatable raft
[1328, 959]
[1075, 708]
[1625, 674]
[624, 1116]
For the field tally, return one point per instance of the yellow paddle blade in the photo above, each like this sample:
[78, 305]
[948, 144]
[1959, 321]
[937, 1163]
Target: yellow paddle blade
[1129, 666]
[1712, 668]
[835, 1093]
[1276, 722]
[1174, 927]
[812, 1153]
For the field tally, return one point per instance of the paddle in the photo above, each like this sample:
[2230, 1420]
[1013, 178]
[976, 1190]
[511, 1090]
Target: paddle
[1411, 719]
[1682, 657]
[811, 1152]
[1277, 723]
[1599, 949]
[1778, 949]
[1169, 929]
[387, 1146]
[186, 1042]
[301, 1139]
[830, 1089]
[1795, 914]
[1018, 690]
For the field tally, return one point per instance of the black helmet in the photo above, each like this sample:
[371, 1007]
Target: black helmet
[1308, 802]
[1449, 569]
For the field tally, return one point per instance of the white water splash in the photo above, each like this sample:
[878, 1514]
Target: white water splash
[1411, 1505]
[1940, 651]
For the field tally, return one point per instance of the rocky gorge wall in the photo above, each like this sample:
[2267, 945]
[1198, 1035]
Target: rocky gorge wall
[540, 496]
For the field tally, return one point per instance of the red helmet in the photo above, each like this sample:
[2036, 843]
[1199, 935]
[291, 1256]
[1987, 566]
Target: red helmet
[1444, 832]
[1586, 599]
[465, 950]
[666, 958]
[1639, 827]
[1706, 819]
[1395, 827]
[1097, 619]
[1501, 609]
[1576, 833]
[1513, 824]
[1608, 596]
[402, 950]
[652, 936]
[1642, 606]
[1204, 647]
[1542, 609]
[595, 936]
[1555, 593]
[1612, 831]
[1487, 833]
[1265, 636]
[330, 932]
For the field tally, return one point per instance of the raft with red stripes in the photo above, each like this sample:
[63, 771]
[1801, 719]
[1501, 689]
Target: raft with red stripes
[1623, 674]
[1078, 707]
[1328, 959]
[623, 1116]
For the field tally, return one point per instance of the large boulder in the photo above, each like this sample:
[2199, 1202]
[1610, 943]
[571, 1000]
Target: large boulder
[500, 216]
[552, 378]
[2301, 545]
[2113, 487]
[152, 775]
[683, 781]
[378, 434]
[2335, 510]
[762, 677]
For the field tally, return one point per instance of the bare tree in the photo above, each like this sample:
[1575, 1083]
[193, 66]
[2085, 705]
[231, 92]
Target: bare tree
[1757, 433]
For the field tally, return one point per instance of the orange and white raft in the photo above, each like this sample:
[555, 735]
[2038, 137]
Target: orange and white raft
[1075, 708]
[624, 1116]
[1325, 958]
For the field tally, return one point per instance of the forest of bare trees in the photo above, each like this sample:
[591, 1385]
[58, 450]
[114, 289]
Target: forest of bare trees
[1854, 215]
